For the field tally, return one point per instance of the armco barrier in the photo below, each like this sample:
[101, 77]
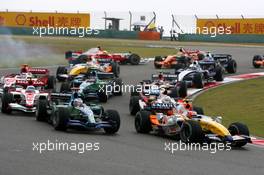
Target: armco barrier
[222, 38]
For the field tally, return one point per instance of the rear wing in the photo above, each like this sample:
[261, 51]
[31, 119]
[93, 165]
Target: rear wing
[166, 77]
[162, 106]
[221, 56]
[72, 54]
[27, 82]
[61, 96]
[105, 75]
[38, 71]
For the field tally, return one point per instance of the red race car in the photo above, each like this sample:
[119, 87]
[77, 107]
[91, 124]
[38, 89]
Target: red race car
[75, 57]
[23, 99]
[29, 76]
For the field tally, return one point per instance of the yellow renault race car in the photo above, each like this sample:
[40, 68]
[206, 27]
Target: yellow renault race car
[184, 123]
[87, 66]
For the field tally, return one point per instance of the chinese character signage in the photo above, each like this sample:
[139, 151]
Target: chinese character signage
[35, 19]
[237, 26]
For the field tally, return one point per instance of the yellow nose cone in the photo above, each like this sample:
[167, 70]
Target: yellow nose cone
[78, 70]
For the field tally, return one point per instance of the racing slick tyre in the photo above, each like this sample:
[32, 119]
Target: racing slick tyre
[51, 84]
[199, 110]
[200, 56]
[102, 95]
[142, 122]
[134, 91]
[231, 66]
[191, 132]
[65, 87]
[114, 119]
[61, 70]
[6, 99]
[174, 93]
[182, 89]
[118, 87]
[256, 58]
[134, 59]
[157, 59]
[115, 69]
[41, 113]
[198, 81]
[61, 118]
[134, 105]
[178, 66]
[218, 74]
[238, 129]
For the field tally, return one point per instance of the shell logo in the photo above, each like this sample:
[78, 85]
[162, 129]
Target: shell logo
[20, 19]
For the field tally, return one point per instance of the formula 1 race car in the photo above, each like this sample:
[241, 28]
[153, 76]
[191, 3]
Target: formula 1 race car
[258, 61]
[174, 120]
[181, 59]
[86, 66]
[200, 73]
[95, 85]
[103, 56]
[68, 111]
[20, 99]
[29, 76]
[185, 57]
[153, 90]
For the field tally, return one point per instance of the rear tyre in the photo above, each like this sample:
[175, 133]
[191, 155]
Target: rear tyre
[199, 110]
[102, 95]
[238, 129]
[41, 113]
[231, 66]
[142, 122]
[65, 87]
[198, 81]
[183, 89]
[256, 58]
[6, 99]
[115, 69]
[51, 84]
[191, 132]
[134, 105]
[218, 74]
[157, 59]
[134, 59]
[118, 89]
[61, 119]
[113, 118]
[61, 70]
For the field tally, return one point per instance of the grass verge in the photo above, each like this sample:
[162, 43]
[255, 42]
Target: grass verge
[242, 101]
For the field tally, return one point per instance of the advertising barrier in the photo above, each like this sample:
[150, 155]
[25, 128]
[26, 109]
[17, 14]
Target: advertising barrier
[237, 26]
[37, 19]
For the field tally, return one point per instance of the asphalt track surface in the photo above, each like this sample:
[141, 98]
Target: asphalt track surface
[126, 152]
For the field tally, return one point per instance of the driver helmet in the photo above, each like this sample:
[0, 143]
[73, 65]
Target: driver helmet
[24, 68]
[166, 99]
[77, 102]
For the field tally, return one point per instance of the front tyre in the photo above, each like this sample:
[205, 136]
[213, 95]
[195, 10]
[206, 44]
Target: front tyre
[114, 119]
[238, 129]
[142, 122]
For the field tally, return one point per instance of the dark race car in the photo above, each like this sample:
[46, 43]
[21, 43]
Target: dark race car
[95, 85]
[69, 111]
